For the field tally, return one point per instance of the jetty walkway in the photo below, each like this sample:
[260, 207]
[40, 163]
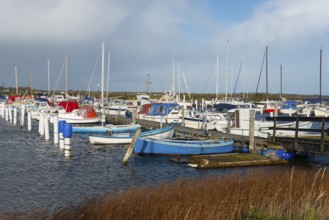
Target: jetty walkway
[318, 144]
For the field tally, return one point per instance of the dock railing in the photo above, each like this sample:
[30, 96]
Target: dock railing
[321, 130]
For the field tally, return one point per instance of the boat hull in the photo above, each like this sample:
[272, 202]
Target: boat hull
[163, 133]
[170, 147]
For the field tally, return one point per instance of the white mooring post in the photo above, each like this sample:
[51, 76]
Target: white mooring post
[6, 114]
[61, 125]
[3, 109]
[22, 115]
[67, 139]
[251, 130]
[46, 124]
[55, 129]
[29, 121]
[10, 114]
[42, 124]
[15, 116]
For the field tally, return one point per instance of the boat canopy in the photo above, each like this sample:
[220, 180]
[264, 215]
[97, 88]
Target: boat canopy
[162, 109]
[69, 106]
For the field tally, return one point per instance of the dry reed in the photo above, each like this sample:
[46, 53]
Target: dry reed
[280, 193]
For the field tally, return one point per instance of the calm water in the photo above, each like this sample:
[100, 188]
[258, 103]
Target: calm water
[35, 173]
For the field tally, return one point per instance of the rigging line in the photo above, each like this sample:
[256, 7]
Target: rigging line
[188, 92]
[261, 70]
[237, 80]
[59, 76]
[92, 75]
[212, 69]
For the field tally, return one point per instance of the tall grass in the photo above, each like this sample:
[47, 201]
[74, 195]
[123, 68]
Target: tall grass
[282, 193]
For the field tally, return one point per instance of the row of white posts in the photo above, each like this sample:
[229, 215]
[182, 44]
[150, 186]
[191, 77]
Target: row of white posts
[62, 131]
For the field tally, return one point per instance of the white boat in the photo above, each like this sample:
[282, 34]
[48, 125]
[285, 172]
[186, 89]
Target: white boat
[106, 128]
[83, 115]
[162, 133]
[264, 129]
[205, 121]
[321, 111]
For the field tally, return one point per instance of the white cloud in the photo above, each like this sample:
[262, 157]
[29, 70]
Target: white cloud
[58, 21]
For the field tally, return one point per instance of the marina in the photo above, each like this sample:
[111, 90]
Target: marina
[37, 170]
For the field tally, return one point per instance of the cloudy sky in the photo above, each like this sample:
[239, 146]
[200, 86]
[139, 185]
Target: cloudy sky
[144, 36]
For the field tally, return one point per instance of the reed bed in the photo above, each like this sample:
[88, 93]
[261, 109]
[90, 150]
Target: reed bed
[278, 193]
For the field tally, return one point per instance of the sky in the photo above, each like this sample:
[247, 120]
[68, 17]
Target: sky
[172, 44]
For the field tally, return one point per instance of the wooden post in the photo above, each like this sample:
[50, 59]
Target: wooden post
[296, 132]
[274, 128]
[131, 147]
[228, 122]
[275, 109]
[183, 116]
[251, 130]
[133, 114]
[322, 135]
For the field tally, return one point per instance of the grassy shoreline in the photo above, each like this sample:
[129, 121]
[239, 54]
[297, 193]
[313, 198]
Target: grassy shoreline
[282, 193]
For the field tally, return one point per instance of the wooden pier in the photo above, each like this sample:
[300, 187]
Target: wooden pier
[313, 144]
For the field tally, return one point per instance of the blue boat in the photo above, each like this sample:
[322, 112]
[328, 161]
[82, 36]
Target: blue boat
[181, 147]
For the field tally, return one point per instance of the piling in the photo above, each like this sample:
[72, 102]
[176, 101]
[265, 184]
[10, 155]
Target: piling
[131, 147]
[46, 124]
[29, 121]
[61, 125]
[6, 114]
[10, 114]
[15, 116]
[22, 115]
[3, 109]
[55, 129]
[41, 124]
[67, 134]
[251, 130]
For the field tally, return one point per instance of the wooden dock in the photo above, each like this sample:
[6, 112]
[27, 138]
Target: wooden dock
[232, 160]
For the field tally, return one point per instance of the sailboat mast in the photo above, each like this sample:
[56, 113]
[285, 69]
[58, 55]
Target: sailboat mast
[178, 79]
[243, 89]
[16, 80]
[66, 76]
[226, 72]
[108, 77]
[31, 85]
[48, 78]
[281, 80]
[217, 77]
[173, 75]
[102, 83]
[320, 74]
[266, 73]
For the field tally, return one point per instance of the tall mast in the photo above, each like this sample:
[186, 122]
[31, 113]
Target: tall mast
[108, 77]
[66, 76]
[173, 75]
[266, 53]
[226, 72]
[217, 77]
[16, 80]
[102, 83]
[178, 76]
[320, 73]
[243, 89]
[281, 80]
[48, 78]
[31, 85]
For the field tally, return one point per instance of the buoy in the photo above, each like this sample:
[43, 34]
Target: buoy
[61, 125]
